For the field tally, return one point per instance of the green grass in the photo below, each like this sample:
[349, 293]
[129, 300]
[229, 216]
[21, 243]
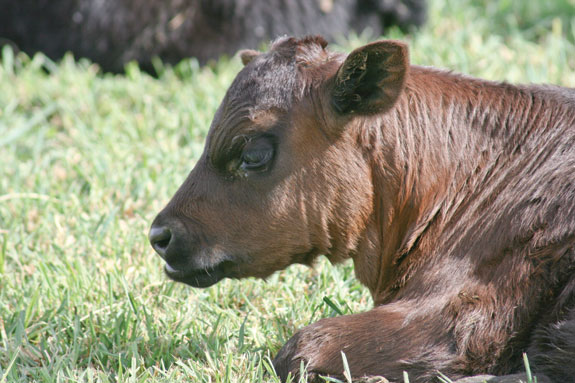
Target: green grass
[87, 160]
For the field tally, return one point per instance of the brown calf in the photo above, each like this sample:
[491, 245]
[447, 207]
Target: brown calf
[455, 198]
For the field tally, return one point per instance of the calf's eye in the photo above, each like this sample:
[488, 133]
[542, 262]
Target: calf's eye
[256, 156]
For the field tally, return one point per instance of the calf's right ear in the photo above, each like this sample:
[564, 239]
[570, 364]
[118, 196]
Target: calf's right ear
[371, 78]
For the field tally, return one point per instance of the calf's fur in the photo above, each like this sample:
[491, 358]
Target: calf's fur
[453, 196]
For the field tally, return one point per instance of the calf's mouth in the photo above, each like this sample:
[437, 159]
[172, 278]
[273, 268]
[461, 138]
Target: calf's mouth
[203, 277]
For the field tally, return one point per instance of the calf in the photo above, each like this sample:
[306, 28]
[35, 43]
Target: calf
[453, 196]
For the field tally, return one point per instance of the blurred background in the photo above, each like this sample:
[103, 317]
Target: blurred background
[114, 32]
[104, 108]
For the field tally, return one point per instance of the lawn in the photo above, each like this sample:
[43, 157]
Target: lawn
[87, 160]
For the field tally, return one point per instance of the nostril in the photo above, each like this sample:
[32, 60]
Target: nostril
[160, 239]
[163, 243]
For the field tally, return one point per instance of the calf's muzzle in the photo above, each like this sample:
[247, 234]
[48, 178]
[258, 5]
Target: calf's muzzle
[172, 242]
[181, 250]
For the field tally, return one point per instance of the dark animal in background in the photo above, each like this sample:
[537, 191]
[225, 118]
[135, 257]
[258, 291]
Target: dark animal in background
[114, 32]
[453, 196]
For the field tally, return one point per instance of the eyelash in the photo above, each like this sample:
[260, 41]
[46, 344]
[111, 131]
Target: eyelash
[260, 159]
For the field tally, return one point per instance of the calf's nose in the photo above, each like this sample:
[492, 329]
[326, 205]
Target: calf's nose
[160, 237]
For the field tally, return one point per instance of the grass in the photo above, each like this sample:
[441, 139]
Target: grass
[87, 160]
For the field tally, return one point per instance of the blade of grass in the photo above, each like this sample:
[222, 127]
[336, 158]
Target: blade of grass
[530, 378]
[346, 371]
[12, 361]
[333, 306]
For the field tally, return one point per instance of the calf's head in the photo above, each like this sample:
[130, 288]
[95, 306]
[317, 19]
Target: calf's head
[282, 177]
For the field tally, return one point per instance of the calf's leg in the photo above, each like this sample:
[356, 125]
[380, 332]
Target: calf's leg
[386, 340]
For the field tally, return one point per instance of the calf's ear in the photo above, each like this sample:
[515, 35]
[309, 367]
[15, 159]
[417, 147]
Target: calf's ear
[248, 55]
[371, 78]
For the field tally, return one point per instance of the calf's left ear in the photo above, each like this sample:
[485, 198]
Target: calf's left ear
[371, 78]
[247, 55]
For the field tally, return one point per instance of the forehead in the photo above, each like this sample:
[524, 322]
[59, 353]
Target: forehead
[268, 82]
[272, 80]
